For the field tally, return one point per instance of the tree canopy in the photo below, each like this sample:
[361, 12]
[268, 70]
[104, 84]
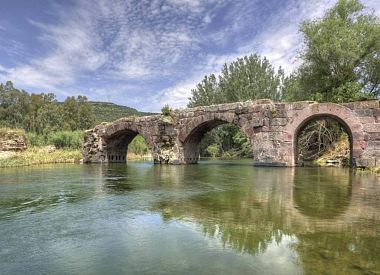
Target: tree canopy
[250, 77]
[41, 113]
[340, 57]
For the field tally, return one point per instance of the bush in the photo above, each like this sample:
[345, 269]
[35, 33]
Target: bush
[33, 139]
[213, 150]
[66, 139]
[166, 110]
[61, 139]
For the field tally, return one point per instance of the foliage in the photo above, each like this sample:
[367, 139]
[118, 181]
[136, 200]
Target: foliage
[41, 113]
[60, 139]
[318, 137]
[35, 155]
[213, 150]
[166, 110]
[341, 56]
[247, 78]
[139, 146]
[230, 141]
[107, 112]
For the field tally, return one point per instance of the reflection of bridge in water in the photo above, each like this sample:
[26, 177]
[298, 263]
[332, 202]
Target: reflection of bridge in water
[329, 218]
[272, 128]
[331, 215]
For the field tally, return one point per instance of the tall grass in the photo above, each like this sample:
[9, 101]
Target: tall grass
[61, 139]
[37, 155]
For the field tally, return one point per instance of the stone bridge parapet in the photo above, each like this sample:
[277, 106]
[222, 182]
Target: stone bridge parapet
[272, 129]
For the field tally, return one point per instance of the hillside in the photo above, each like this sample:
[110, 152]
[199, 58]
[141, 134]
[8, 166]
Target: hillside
[107, 112]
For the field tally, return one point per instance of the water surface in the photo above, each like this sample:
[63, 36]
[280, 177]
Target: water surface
[216, 217]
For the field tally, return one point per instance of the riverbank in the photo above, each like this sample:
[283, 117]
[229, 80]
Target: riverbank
[49, 155]
[39, 155]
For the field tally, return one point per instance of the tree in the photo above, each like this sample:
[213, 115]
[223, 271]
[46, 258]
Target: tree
[77, 113]
[41, 113]
[341, 55]
[247, 78]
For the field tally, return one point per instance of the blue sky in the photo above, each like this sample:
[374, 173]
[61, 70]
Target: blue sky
[143, 53]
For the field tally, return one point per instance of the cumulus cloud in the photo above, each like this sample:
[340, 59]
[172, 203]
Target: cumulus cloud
[132, 50]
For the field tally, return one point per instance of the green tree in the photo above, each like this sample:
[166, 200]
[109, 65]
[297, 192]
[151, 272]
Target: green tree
[341, 55]
[77, 113]
[247, 78]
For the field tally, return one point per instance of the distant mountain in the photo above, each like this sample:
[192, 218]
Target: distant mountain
[108, 112]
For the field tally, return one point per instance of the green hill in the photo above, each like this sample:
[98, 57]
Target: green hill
[108, 112]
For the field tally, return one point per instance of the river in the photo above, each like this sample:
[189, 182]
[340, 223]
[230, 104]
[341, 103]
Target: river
[217, 217]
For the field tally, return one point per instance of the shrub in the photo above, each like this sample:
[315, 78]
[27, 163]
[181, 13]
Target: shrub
[213, 150]
[65, 139]
[166, 110]
[33, 139]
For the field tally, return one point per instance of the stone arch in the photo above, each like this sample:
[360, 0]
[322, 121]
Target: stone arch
[191, 134]
[341, 114]
[116, 139]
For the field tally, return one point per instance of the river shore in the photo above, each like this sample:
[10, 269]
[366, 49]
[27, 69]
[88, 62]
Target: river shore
[48, 155]
[51, 155]
[39, 155]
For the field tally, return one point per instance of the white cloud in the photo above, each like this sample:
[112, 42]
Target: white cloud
[143, 44]
[177, 96]
[280, 42]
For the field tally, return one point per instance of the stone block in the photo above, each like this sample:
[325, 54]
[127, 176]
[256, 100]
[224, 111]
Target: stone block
[256, 122]
[367, 120]
[279, 121]
[373, 136]
[373, 144]
[364, 113]
[372, 128]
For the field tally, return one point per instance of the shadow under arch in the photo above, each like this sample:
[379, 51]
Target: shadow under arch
[192, 140]
[327, 196]
[116, 145]
[313, 118]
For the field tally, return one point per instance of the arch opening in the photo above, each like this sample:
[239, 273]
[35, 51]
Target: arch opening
[124, 145]
[323, 139]
[215, 139]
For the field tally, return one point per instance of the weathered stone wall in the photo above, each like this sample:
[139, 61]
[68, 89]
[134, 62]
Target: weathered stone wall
[272, 128]
[12, 140]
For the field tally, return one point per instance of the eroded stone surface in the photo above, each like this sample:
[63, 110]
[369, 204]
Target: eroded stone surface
[271, 127]
[12, 140]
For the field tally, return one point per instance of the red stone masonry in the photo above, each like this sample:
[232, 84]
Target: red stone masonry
[272, 128]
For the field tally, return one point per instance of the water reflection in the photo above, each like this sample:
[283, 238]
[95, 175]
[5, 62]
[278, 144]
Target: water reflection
[314, 205]
[254, 220]
[323, 194]
[37, 189]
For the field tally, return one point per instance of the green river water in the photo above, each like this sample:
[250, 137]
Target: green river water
[217, 217]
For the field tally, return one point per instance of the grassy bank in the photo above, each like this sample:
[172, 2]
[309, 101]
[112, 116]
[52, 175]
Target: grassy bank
[39, 155]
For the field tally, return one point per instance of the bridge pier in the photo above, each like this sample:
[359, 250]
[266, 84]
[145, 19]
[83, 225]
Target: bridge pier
[272, 128]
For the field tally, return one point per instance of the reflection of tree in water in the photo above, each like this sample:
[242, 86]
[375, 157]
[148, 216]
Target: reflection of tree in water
[336, 228]
[344, 236]
[352, 252]
[247, 218]
[322, 197]
[119, 178]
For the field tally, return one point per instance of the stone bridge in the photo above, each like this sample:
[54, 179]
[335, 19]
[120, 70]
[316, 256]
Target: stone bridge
[272, 128]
